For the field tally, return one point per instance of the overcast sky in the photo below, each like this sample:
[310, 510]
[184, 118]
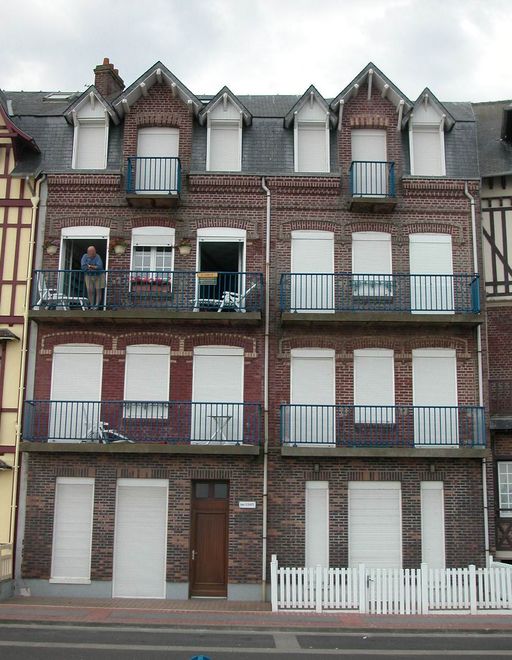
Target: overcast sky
[459, 48]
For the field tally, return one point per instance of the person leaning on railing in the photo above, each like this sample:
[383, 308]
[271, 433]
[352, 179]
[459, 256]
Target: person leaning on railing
[92, 266]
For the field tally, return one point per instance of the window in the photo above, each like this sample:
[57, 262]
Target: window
[312, 147]
[72, 530]
[427, 151]
[146, 381]
[369, 169]
[431, 268]
[152, 254]
[374, 386]
[90, 144]
[505, 488]
[312, 268]
[432, 524]
[317, 524]
[157, 168]
[224, 138]
[371, 264]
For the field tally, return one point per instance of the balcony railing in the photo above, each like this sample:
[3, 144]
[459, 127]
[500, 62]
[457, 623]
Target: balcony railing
[372, 178]
[176, 291]
[370, 292]
[382, 426]
[500, 396]
[164, 422]
[151, 175]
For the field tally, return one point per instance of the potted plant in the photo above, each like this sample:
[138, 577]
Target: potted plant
[118, 245]
[185, 247]
[51, 245]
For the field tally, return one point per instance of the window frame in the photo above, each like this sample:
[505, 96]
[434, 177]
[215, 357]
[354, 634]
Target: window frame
[135, 409]
[212, 122]
[76, 141]
[426, 127]
[296, 132]
[503, 512]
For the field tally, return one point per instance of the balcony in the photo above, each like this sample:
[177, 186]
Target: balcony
[372, 186]
[500, 404]
[395, 298]
[142, 426]
[352, 430]
[153, 182]
[149, 295]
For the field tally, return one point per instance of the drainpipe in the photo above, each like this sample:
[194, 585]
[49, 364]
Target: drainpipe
[24, 342]
[480, 374]
[265, 398]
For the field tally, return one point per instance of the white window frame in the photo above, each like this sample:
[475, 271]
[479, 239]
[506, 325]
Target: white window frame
[310, 486]
[76, 135]
[439, 486]
[296, 131]
[148, 237]
[223, 122]
[82, 481]
[431, 127]
[504, 512]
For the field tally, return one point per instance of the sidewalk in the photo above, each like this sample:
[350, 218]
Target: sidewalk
[228, 614]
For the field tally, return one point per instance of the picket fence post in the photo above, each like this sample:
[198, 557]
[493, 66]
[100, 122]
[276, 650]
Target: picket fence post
[362, 589]
[273, 583]
[473, 604]
[424, 588]
[318, 588]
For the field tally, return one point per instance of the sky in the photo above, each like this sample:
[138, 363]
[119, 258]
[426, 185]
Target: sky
[458, 48]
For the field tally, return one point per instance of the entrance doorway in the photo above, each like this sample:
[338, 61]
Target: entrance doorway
[209, 539]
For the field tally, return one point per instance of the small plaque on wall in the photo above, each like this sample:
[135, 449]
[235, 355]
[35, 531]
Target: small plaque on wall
[246, 505]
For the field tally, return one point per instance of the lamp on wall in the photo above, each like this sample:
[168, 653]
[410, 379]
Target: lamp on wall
[185, 247]
[51, 246]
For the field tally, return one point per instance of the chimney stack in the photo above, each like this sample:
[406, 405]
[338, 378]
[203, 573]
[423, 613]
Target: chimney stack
[107, 80]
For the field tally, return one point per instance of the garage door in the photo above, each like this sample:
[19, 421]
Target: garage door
[140, 543]
[375, 524]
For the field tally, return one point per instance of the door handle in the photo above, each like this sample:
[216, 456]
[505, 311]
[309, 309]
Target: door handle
[193, 555]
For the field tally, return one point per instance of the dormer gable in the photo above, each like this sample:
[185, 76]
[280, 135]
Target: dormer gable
[157, 74]
[90, 105]
[428, 110]
[225, 105]
[428, 121]
[310, 107]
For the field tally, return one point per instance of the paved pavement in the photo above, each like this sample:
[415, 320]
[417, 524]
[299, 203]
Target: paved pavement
[231, 615]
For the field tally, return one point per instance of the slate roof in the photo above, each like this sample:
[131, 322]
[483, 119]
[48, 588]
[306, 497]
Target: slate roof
[494, 153]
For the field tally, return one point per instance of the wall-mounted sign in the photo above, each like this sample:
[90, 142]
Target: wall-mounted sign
[247, 505]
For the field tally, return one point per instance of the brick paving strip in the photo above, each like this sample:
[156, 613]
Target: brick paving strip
[228, 614]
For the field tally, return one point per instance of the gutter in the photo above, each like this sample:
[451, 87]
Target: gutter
[265, 398]
[480, 375]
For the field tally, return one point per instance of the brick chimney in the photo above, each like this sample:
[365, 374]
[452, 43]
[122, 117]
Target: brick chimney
[107, 79]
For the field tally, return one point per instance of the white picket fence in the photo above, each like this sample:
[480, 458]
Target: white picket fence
[422, 590]
[5, 561]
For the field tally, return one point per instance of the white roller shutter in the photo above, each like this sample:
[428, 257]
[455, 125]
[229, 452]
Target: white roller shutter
[153, 236]
[434, 373]
[313, 386]
[224, 147]
[374, 519]
[428, 152]
[140, 542]
[90, 145]
[369, 146]
[374, 385]
[371, 257]
[72, 530]
[155, 174]
[76, 385]
[217, 383]
[147, 379]
[158, 142]
[431, 265]
[312, 150]
[432, 524]
[312, 268]
[317, 523]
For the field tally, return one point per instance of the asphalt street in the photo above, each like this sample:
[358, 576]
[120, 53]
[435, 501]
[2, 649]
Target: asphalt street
[31, 641]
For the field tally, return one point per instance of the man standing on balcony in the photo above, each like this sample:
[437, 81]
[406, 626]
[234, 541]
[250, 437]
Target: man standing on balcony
[92, 265]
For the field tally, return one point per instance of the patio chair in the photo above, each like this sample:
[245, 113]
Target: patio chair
[48, 298]
[235, 301]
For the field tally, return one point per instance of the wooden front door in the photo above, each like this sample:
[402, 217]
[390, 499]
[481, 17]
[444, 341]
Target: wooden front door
[209, 539]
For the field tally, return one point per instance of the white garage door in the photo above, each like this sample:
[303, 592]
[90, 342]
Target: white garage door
[374, 519]
[140, 543]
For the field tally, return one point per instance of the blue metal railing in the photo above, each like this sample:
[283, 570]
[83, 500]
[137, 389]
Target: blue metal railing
[382, 426]
[178, 291]
[165, 422]
[372, 178]
[369, 292]
[145, 174]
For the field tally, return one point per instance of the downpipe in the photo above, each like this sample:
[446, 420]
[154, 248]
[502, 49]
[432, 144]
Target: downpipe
[265, 398]
[480, 374]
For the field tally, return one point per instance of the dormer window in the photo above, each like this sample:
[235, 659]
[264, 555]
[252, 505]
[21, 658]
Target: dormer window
[90, 144]
[224, 138]
[426, 138]
[311, 138]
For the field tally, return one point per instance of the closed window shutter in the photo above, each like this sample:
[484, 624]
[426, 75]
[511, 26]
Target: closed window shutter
[317, 523]
[90, 147]
[153, 236]
[224, 155]
[432, 524]
[312, 147]
[371, 253]
[218, 374]
[72, 534]
[374, 386]
[427, 151]
[147, 379]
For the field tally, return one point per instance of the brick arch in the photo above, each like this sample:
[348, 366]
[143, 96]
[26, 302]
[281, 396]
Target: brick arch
[249, 344]
[153, 221]
[310, 225]
[434, 228]
[287, 345]
[369, 121]
[145, 337]
[372, 342]
[386, 226]
[49, 341]
[228, 223]
[460, 345]
[158, 119]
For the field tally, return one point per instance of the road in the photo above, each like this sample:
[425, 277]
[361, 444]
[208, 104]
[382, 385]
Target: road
[31, 641]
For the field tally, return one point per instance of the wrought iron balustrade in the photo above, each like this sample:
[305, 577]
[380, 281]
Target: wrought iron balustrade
[150, 174]
[372, 178]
